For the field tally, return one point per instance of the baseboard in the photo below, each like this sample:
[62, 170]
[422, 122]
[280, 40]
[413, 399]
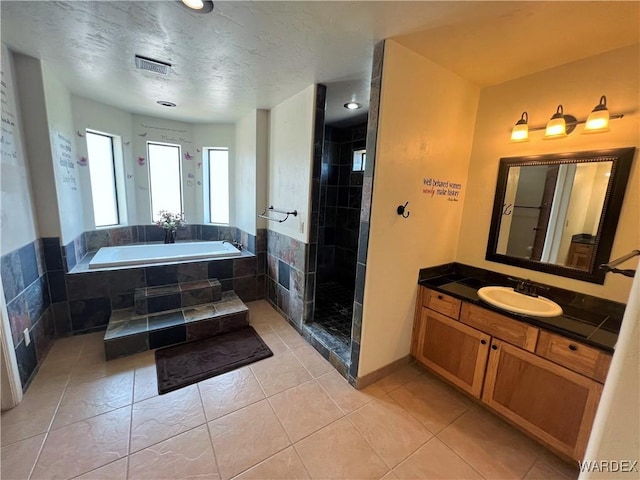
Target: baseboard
[373, 377]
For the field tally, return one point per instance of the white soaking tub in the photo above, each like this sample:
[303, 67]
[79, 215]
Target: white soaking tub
[161, 253]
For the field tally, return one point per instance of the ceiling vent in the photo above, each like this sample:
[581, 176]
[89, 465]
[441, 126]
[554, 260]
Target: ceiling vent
[151, 65]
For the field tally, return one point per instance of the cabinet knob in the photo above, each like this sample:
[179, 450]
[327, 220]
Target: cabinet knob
[440, 297]
[483, 342]
[494, 347]
[573, 347]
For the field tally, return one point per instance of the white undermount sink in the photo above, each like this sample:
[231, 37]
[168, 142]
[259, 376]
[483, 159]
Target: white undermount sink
[508, 299]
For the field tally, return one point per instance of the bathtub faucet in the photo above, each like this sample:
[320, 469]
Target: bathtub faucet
[238, 245]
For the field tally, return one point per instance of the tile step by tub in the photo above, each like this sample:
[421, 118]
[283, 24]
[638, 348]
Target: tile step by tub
[129, 332]
[149, 300]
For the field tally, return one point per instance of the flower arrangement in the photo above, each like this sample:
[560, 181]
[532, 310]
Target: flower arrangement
[170, 221]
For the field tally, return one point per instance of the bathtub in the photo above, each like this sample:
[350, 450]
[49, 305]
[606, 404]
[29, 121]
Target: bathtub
[161, 253]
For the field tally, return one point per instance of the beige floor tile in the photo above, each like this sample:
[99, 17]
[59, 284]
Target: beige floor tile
[290, 337]
[312, 360]
[145, 383]
[567, 468]
[113, 471]
[92, 342]
[285, 465]
[340, 451]
[84, 446]
[17, 460]
[304, 409]
[33, 415]
[279, 373]
[56, 366]
[93, 366]
[159, 418]
[188, 455]
[399, 377]
[391, 431]
[64, 348]
[389, 476]
[246, 437]
[229, 392]
[435, 461]
[345, 396]
[273, 341]
[489, 445]
[86, 400]
[541, 470]
[432, 402]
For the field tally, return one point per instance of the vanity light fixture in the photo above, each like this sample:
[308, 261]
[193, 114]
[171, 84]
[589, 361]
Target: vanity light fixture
[598, 120]
[557, 125]
[561, 124]
[353, 106]
[200, 6]
[520, 132]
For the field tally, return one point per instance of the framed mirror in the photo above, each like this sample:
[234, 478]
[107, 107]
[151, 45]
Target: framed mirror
[558, 213]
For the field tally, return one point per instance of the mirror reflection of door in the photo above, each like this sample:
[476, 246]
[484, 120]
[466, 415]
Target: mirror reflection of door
[552, 213]
[544, 212]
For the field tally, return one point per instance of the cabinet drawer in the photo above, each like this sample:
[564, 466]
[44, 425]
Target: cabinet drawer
[573, 355]
[516, 333]
[585, 249]
[441, 303]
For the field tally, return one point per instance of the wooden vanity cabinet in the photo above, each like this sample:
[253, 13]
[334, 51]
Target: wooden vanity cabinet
[544, 383]
[463, 365]
[551, 402]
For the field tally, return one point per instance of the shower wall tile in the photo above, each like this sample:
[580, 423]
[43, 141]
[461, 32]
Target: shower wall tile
[18, 317]
[87, 285]
[11, 271]
[89, 314]
[27, 361]
[26, 292]
[28, 263]
[52, 254]
[96, 239]
[61, 319]
[120, 236]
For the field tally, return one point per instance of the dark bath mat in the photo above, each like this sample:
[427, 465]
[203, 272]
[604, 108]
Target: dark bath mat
[187, 363]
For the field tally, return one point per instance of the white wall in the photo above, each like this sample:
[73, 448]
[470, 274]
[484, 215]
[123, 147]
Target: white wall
[17, 216]
[62, 137]
[291, 154]
[37, 148]
[578, 86]
[88, 114]
[252, 143]
[208, 136]
[425, 130]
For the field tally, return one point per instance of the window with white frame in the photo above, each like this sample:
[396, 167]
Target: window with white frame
[102, 168]
[359, 160]
[165, 178]
[218, 180]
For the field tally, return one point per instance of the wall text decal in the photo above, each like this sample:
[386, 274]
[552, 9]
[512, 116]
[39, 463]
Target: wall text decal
[441, 188]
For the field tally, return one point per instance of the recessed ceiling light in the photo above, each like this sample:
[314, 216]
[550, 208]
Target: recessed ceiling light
[200, 6]
[164, 103]
[352, 106]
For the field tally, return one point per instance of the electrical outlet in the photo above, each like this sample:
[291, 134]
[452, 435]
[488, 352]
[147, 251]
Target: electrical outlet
[27, 337]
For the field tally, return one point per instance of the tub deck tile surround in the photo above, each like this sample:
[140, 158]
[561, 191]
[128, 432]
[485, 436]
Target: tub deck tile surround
[179, 295]
[129, 332]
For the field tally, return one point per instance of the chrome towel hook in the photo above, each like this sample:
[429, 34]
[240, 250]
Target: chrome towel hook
[402, 210]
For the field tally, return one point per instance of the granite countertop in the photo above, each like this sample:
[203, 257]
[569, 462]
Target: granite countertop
[587, 326]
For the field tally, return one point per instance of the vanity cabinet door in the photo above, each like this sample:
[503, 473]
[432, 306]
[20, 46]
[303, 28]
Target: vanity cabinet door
[553, 403]
[453, 350]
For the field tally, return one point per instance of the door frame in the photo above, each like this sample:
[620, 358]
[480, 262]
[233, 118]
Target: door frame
[11, 384]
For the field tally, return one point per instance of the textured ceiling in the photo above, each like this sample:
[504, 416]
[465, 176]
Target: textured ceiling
[248, 55]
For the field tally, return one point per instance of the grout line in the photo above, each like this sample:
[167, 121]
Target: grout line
[206, 423]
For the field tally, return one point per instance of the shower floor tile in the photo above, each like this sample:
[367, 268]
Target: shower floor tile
[334, 310]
